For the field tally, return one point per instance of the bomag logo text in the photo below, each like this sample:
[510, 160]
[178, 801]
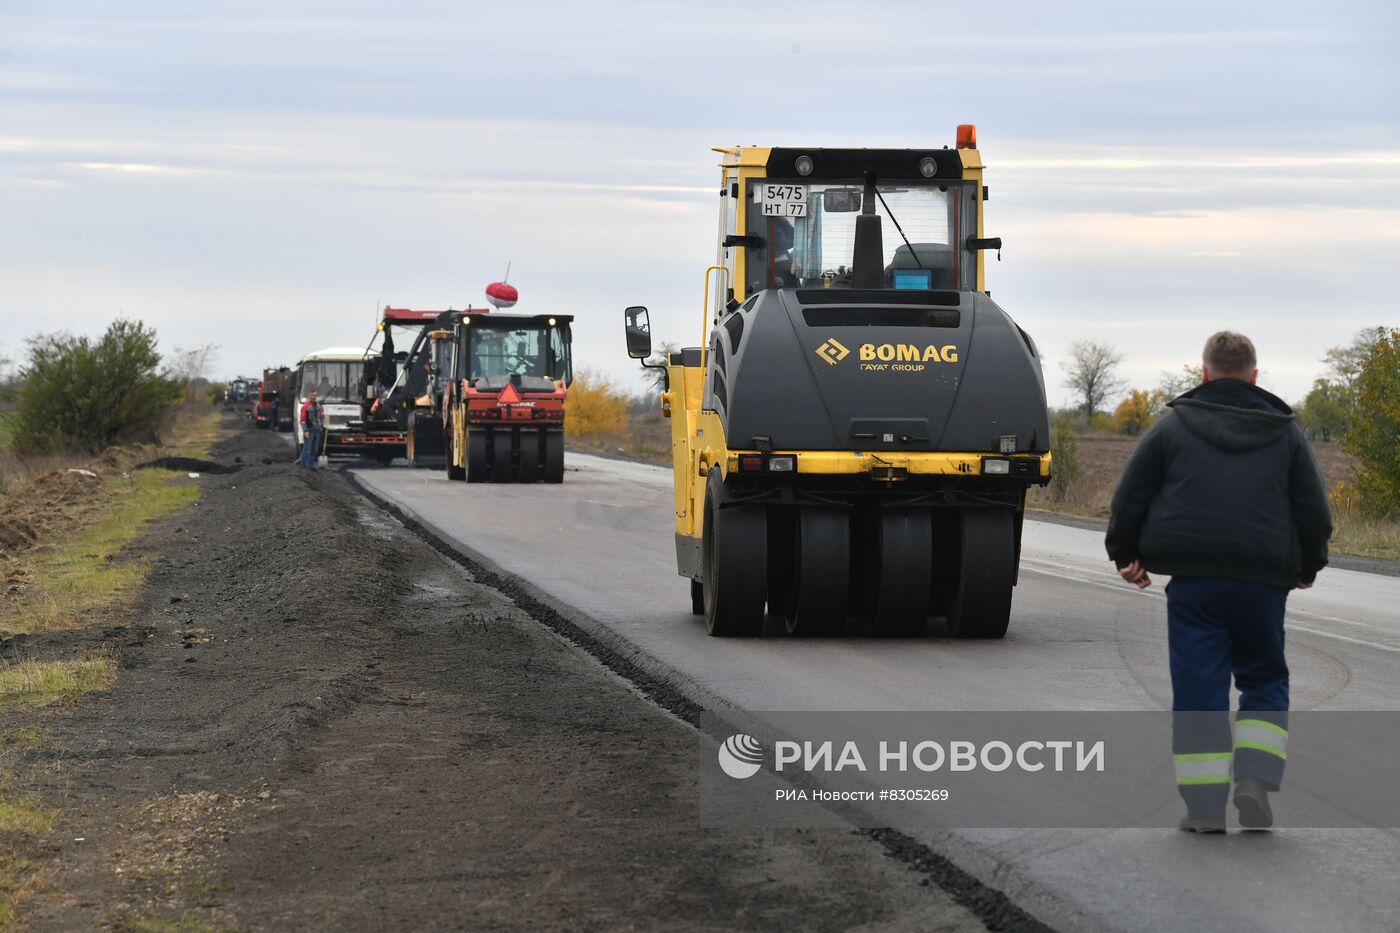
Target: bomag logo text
[904, 357]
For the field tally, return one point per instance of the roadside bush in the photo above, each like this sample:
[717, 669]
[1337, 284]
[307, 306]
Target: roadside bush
[1373, 430]
[1064, 451]
[595, 406]
[81, 395]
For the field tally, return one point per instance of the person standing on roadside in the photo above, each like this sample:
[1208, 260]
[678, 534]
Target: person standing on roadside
[313, 425]
[1223, 494]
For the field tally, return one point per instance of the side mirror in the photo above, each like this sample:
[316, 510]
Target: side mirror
[638, 332]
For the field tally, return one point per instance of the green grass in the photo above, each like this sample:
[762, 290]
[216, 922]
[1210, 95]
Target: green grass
[81, 572]
[26, 815]
[39, 682]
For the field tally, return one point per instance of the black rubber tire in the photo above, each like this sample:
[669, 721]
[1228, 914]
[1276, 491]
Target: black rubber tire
[476, 456]
[782, 556]
[981, 604]
[947, 545]
[905, 543]
[554, 456]
[697, 598]
[821, 573]
[502, 467]
[734, 557]
[529, 455]
[454, 473]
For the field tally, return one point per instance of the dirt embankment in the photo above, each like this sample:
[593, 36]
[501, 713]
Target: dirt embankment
[321, 723]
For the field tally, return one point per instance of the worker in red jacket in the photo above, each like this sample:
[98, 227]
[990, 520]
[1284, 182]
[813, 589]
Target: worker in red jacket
[313, 426]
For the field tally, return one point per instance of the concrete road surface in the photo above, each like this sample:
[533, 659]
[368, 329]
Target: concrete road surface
[600, 547]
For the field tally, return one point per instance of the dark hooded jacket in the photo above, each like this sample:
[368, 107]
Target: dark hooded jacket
[1224, 485]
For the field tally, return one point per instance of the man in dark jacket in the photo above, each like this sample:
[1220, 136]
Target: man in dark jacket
[1223, 494]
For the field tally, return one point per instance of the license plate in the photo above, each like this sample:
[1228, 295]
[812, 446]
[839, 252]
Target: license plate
[778, 200]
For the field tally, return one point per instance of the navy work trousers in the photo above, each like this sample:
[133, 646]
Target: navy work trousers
[1217, 629]
[310, 449]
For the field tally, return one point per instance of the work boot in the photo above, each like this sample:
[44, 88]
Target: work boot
[1252, 800]
[1206, 825]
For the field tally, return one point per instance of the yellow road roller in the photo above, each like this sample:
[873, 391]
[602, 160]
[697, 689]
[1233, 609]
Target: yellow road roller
[855, 432]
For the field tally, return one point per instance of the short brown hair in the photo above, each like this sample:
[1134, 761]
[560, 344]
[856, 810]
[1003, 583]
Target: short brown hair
[1229, 354]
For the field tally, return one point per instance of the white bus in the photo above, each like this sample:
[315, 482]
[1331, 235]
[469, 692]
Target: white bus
[336, 374]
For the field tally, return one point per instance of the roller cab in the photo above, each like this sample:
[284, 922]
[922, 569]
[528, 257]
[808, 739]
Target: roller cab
[855, 431]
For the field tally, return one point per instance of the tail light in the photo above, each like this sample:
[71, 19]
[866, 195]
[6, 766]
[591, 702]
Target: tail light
[767, 463]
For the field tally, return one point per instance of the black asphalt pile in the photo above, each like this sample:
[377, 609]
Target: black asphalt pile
[320, 723]
[192, 464]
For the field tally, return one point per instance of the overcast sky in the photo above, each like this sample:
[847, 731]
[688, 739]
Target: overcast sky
[264, 175]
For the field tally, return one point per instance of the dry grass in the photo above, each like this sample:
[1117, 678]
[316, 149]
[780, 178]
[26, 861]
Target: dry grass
[16, 875]
[187, 922]
[1365, 537]
[54, 586]
[63, 534]
[647, 437]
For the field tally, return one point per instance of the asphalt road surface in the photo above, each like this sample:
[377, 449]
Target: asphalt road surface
[600, 547]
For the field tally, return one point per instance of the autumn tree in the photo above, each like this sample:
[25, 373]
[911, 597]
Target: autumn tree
[1373, 431]
[1137, 412]
[596, 406]
[1091, 371]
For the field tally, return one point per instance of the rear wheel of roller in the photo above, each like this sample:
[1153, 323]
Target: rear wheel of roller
[905, 547]
[501, 467]
[554, 456]
[476, 456]
[821, 572]
[782, 556]
[981, 604]
[529, 455]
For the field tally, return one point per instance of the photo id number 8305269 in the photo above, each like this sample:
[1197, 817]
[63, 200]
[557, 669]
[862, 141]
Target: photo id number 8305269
[778, 200]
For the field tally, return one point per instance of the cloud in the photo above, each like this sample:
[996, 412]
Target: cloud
[260, 175]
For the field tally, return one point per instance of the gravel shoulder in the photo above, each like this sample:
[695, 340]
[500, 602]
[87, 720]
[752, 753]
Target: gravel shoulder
[321, 723]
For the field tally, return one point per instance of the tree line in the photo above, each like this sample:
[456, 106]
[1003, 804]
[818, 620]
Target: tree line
[1355, 403]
